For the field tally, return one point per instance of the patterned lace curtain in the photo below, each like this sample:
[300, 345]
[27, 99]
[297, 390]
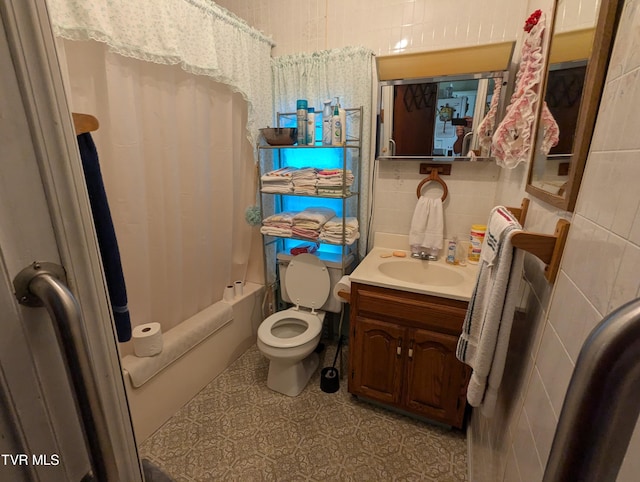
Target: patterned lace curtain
[200, 36]
[346, 73]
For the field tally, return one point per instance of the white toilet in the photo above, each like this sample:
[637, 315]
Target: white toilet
[288, 338]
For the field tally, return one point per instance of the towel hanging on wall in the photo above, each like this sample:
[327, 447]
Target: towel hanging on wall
[106, 235]
[514, 137]
[487, 326]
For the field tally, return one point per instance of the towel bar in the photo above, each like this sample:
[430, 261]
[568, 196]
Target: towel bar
[84, 123]
[546, 247]
[521, 212]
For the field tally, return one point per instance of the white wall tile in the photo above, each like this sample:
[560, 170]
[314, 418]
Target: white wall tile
[525, 451]
[574, 318]
[541, 416]
[555, 367]
[627, 169]
[627, 282]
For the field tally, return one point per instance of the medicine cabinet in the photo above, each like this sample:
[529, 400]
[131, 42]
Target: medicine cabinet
[431, 104]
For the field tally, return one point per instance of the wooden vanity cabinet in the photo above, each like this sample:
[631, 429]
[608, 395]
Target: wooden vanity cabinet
[402, 352]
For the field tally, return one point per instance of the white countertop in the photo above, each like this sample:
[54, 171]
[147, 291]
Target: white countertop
[368, 271]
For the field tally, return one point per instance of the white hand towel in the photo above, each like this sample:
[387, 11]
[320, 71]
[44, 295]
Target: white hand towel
[427, 224]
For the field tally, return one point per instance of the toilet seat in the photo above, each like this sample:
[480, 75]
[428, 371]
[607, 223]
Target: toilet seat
[312, 321]
[308, 282]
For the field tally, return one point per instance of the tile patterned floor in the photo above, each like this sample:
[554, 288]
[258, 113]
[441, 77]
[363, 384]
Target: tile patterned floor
[238, 429]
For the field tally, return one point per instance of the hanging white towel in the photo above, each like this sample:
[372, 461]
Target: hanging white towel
[427, 225]
[487, 326]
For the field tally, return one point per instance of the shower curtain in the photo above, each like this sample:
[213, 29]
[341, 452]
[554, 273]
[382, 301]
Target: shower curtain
[180, 88]
[178, 170]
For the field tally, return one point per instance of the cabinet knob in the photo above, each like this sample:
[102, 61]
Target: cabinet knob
[410, 354]
[399, 347]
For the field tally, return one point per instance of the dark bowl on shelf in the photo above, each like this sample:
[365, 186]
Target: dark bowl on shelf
[280, 136]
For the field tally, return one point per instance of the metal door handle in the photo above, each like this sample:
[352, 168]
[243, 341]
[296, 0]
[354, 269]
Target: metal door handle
[601, 407]
[42, 284]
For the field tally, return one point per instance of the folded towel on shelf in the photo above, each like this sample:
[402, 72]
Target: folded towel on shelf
[334, 177]
[427, 225]
[334, 191]
[278, 189]
[332, 230]
[276, 231]
[336, 222]
[336, 238]
[305, 186]
[487, 326]
[278, 181]
[305, 233]
[313, 217]
[285, 172]
[285, 218]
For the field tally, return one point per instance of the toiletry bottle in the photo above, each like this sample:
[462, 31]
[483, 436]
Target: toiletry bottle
[451, 250]
[343, 121]
[301, 118]
[311, 126]
[327, 114]
[336, 127]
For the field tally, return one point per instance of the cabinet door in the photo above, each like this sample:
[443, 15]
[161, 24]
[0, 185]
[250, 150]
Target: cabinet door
[435, 383]
[377, 362]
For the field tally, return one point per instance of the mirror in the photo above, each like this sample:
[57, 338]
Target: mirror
[431, 104]
[578, 63]
[434, 117]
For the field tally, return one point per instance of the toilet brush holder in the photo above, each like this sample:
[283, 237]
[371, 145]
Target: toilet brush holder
[329, 380]
[329, 376]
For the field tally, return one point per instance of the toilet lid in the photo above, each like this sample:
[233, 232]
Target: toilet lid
[307, 281]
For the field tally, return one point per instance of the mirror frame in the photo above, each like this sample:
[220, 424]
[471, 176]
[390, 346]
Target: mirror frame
[385, 116]
[597, 66]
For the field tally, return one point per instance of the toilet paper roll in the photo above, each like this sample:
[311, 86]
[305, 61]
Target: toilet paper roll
[147, 339]
[228, 293]
[237, 288]
[344, 284]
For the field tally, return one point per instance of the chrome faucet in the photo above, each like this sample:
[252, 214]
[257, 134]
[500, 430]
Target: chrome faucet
[424, 255]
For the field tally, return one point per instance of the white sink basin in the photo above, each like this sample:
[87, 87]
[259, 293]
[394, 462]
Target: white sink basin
[421, 272]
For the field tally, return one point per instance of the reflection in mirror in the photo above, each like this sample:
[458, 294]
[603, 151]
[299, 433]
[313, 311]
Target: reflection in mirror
[434, 117]
[563, 95]
[556, 178]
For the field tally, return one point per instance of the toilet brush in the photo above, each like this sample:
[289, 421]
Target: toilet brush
[329, 377]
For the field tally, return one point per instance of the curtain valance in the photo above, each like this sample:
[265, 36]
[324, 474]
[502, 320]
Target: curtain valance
[200, 36]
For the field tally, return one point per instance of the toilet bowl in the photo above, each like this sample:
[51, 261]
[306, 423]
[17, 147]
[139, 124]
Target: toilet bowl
[288, 338]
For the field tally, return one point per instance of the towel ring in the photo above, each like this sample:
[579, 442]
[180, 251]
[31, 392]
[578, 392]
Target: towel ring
[433, 176]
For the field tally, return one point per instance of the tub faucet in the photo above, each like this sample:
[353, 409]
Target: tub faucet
[424, 255]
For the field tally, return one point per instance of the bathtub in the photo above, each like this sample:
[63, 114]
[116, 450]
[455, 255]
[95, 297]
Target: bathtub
[154, 402]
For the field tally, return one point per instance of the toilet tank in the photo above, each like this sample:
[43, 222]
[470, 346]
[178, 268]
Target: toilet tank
[334, 265]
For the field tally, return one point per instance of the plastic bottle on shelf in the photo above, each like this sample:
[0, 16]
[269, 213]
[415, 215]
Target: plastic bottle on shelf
[336, 127]
[301, 121]
[327, 114]
[311, 126]
[343, 122]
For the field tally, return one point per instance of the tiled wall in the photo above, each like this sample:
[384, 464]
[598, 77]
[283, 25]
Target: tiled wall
[599, 272]
[472, 188]
[602, 257]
